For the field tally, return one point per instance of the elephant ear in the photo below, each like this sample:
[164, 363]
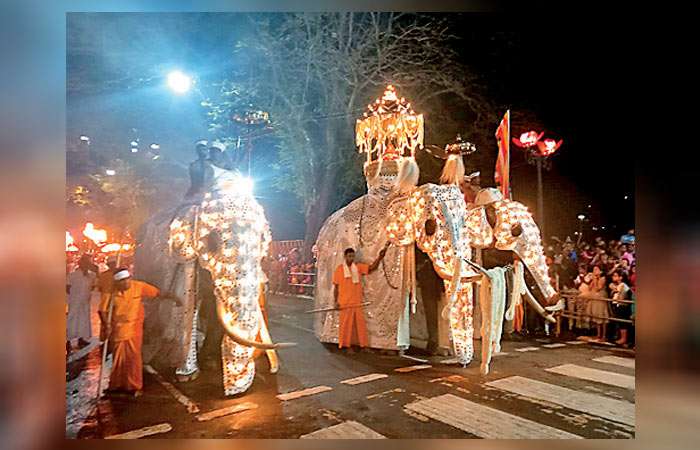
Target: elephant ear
[181, 237]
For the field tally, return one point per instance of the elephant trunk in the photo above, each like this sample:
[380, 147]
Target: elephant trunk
[237, 338]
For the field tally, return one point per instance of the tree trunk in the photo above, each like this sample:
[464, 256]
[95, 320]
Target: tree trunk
[316, 215]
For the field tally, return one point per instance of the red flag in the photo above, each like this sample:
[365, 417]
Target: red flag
[502, 174]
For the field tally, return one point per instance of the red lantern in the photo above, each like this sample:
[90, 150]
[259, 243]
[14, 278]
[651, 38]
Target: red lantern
[549, 146]
[528, 139]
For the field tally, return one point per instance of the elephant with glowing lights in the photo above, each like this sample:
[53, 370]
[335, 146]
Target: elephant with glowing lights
[437, 219]
[221, 240]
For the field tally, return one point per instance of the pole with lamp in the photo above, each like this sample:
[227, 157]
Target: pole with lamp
[581, 218]
[538, 151]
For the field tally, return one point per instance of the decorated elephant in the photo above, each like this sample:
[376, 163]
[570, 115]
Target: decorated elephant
[438, 220]
[361, 225]
[214, 247]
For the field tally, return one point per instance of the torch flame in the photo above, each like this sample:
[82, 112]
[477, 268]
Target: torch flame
[94, 234]
[70, 243]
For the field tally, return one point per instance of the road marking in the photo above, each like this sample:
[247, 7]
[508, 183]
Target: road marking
[597, 405]
[303, 393]
[83, 352]
[143, 432]
[416, 416]
[346, 430]
[451, 378]
[226, 411]
[482, 421]
[556, 345]
[543, 340]
[575, 342]
[412, 368]
[624, 362]
[365, 378]
[527, 349]
[385, 393]
[191, 406]
[600, 376]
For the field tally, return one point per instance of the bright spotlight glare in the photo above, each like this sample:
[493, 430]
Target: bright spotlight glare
[155, 146]
[581, 217]
[179, 82]
[110, 172]
[246, 185]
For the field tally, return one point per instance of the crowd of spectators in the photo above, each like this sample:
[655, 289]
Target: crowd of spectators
[597, 269]
[290, 274]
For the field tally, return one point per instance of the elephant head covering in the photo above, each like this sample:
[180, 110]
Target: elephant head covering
[487, 195]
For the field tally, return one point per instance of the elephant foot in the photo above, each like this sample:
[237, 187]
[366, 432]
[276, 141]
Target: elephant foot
[484, 369]
[186, 378]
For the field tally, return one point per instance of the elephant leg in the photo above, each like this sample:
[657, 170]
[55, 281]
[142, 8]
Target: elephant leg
[271, 354]
[238, 366]
[462, 326]
[189, 371]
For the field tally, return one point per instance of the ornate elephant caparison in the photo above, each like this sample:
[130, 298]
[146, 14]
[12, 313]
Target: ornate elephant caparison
[227, 234]
[491, 222]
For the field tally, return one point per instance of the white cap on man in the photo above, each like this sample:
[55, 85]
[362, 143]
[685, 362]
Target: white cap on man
[219, 145]
[202, 142]
[121, 274]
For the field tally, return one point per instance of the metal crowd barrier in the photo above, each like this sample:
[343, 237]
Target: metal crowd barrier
[575, 295]
[296, 285]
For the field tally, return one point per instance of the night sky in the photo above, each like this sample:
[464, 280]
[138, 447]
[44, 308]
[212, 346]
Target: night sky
[567, 74]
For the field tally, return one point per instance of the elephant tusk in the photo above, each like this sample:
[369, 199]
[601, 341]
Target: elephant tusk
[235, 337]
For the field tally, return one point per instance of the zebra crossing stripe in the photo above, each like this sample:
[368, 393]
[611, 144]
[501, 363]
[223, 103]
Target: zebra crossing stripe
[365, 378]
[226, 411]
[600, 376]
[346, 430]
[304, 393]
[483, 421]
[527, 349]
[556, 345]
[413, 368]
[575, 342]
[616, 360]
[142, 432]
[597, 405]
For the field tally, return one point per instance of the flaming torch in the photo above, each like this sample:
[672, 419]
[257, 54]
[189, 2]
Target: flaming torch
[95, 235]
[70, 243]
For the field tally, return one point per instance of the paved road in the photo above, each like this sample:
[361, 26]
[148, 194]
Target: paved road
[535, 390]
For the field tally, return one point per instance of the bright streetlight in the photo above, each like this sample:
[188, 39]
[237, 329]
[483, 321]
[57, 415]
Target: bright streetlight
[110, 172]
[179, 82]
[581, 217]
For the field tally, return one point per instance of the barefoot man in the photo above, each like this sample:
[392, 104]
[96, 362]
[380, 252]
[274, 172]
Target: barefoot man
[347, 292]
[126, 330]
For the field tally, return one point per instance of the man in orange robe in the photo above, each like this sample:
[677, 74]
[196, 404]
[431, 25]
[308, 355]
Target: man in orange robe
[347, 292]
[125, 331]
